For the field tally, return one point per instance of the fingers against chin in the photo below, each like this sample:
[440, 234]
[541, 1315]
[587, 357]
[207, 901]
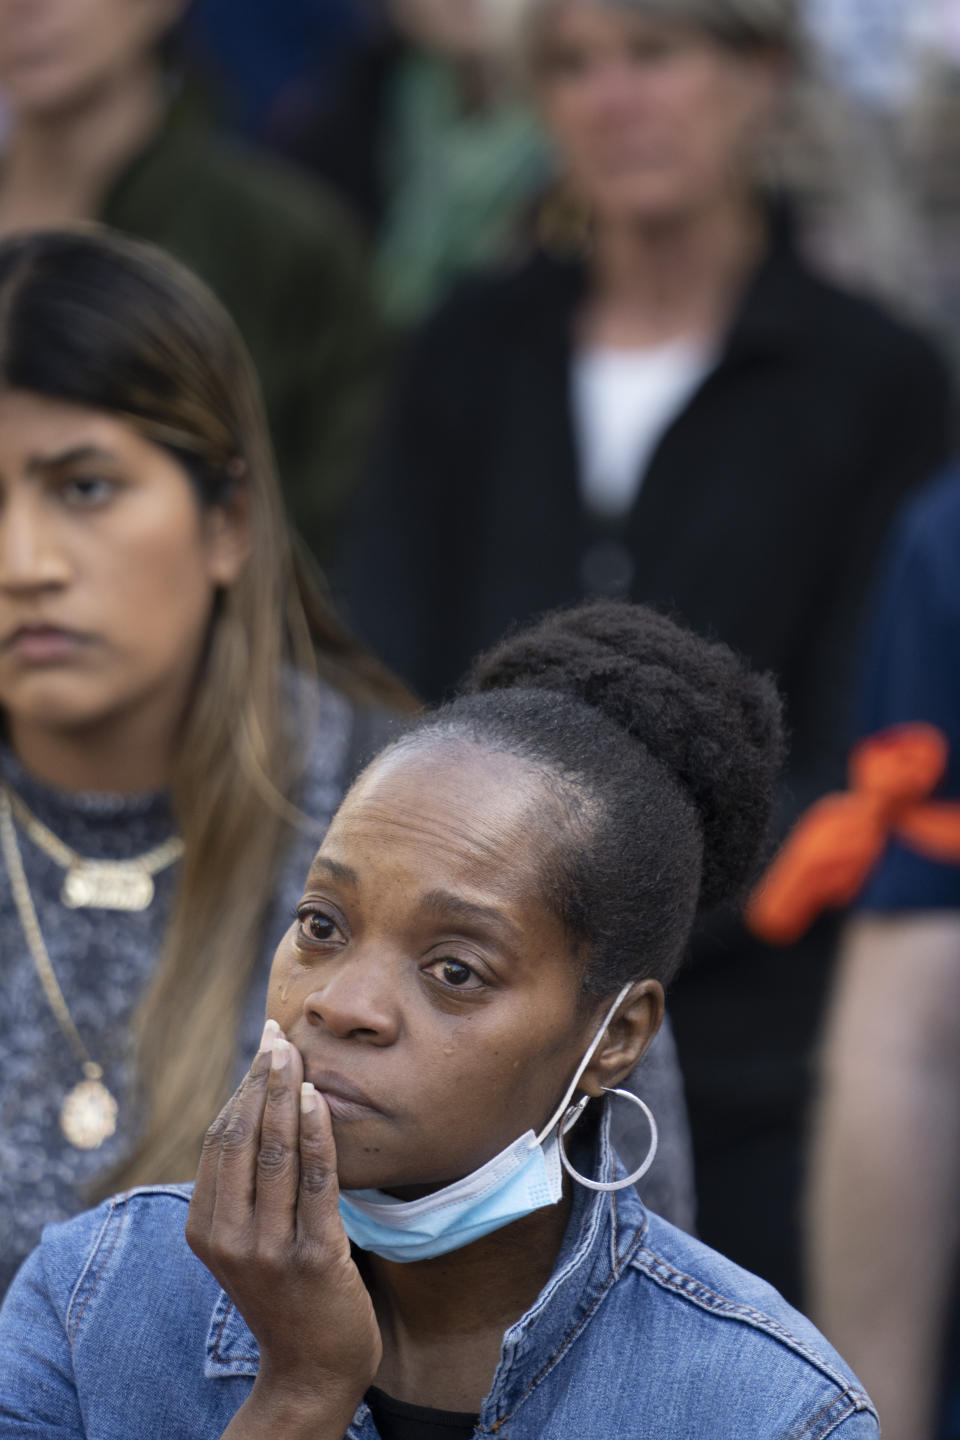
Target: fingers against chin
[319, 1226]
[226, 1163]
[278, 1155]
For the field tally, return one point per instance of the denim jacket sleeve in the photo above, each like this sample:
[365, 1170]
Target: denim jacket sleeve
[106, 1331]
[38, 1396]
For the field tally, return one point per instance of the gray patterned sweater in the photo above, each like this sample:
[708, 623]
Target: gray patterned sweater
[103, 960]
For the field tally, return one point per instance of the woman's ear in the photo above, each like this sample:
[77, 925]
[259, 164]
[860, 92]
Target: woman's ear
[228, 534]
[627, 1037]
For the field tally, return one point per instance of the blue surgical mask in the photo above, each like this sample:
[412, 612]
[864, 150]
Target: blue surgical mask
[524, 1177]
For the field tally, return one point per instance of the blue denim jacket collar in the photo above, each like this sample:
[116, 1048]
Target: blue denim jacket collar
[604, 1231]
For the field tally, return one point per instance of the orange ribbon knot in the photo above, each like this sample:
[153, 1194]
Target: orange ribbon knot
[830, 852]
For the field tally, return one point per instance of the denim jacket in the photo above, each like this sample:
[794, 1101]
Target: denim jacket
[114, 1329]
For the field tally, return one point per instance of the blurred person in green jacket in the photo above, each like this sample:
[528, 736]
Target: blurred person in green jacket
[95, 131]
[430, 138]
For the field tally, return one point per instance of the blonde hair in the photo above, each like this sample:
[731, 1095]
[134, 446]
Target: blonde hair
[114, 324]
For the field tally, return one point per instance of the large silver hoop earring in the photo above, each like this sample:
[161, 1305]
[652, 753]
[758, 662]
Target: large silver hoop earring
[571, 1118]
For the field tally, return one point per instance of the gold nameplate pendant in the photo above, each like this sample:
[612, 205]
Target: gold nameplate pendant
[98, 885]
[88, 1115]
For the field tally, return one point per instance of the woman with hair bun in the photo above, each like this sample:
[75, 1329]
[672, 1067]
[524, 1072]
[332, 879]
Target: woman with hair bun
[410, 1217]
[180, 714]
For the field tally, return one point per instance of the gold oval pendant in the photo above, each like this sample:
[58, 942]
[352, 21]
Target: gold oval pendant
[88, 1115]
[97, 885]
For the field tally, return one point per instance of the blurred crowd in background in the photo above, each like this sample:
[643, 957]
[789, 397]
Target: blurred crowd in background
[652, 299]
[871, 140]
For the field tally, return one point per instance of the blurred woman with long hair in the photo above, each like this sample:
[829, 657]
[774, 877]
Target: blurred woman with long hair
[180, 715]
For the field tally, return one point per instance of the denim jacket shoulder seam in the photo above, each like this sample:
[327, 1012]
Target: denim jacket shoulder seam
[113, 1221]
[688, 1287]
[612, 1276]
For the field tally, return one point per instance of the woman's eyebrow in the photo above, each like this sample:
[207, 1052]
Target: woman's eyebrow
[446, 903]
[334, 868]
[76, 454]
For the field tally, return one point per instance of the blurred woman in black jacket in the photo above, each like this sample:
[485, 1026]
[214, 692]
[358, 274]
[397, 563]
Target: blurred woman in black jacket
[665, 404]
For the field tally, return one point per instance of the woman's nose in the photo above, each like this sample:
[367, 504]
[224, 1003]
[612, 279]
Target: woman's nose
[620, 95]
[30, 556]
[356, 1001]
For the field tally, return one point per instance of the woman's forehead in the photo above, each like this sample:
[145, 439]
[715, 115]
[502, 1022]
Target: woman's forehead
[425, 839]
[468, 810]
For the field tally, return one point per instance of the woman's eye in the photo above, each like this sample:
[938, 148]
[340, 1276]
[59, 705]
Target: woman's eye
[565, 64]
[455, 973]
[318, 926]
[87, 491]
[657, 49]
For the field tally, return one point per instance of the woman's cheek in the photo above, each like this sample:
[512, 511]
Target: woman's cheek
[282, 976]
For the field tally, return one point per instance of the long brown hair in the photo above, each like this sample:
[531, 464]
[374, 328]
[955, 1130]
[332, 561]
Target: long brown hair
[113, 324]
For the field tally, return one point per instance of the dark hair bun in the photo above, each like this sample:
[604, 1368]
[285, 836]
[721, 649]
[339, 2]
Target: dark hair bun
[709, 719]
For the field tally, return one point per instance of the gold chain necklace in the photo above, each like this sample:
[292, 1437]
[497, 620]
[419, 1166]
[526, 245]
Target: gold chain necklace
[88, 1115]
[98, 884]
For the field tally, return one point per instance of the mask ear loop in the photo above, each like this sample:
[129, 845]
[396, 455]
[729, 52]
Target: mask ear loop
[562, 1109]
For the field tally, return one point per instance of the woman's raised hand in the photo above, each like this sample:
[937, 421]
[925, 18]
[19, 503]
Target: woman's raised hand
[264, 1220]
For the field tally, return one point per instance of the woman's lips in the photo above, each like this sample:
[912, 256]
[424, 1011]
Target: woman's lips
[346, 1100]
[43, 644]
